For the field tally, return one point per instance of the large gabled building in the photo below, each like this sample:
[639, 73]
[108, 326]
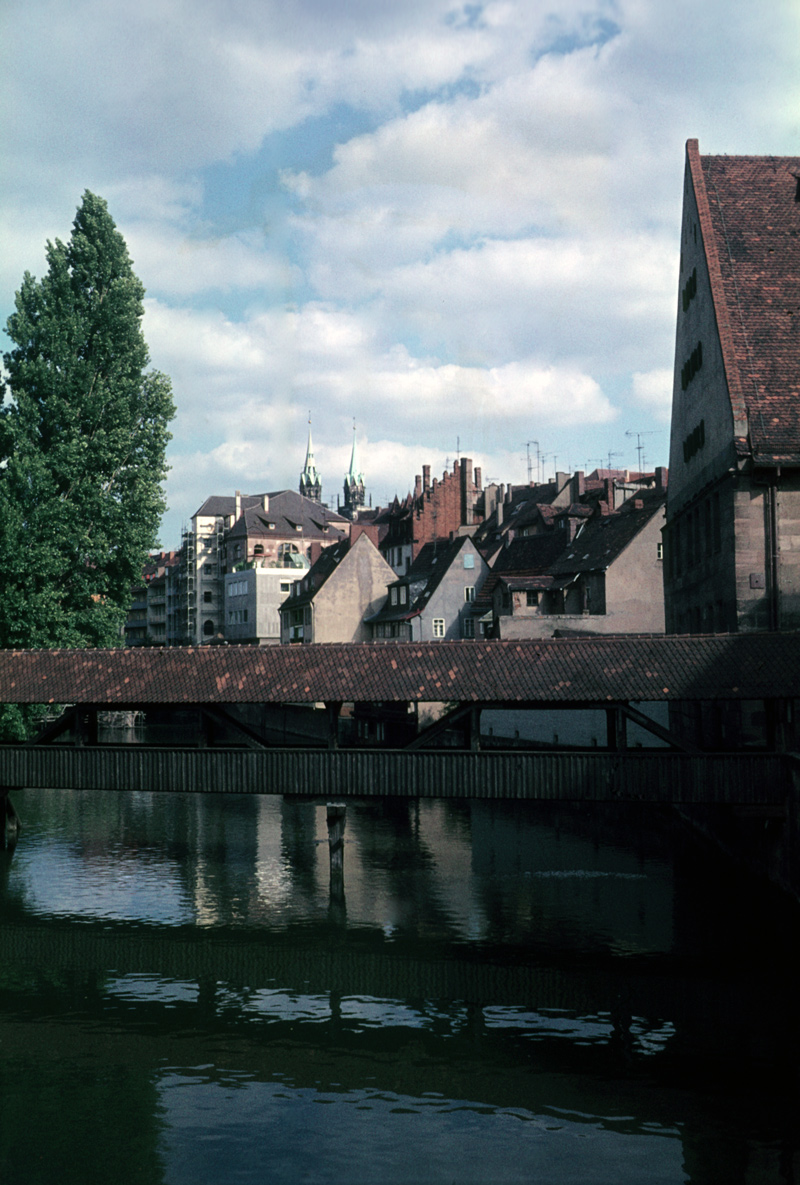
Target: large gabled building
[733, 510]
[282, 529]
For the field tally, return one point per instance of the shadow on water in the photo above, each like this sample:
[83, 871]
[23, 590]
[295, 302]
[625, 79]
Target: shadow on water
[490, 994]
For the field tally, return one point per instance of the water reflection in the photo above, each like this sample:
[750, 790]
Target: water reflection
[504, 994]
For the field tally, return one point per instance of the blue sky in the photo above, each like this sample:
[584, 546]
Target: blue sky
[456, 223]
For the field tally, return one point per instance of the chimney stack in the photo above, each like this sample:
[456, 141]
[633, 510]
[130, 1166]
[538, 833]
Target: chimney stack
[238, 503]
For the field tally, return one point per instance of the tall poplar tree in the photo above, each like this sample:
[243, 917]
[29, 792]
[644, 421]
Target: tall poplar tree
[83, 436]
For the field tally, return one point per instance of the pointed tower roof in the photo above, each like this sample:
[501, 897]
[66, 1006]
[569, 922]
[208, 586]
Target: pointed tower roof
[353, 474]
[310, 480]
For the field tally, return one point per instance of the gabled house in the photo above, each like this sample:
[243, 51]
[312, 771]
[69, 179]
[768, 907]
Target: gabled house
[607, 579]
[279, 529]
[434, 599]
[732, 538]
[345, 585]
[514, 585]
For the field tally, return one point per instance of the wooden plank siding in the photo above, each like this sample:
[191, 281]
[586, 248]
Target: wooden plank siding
[741, 778]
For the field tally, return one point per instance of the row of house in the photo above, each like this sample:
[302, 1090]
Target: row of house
[451, 560]
[539, 565]
[611, 551]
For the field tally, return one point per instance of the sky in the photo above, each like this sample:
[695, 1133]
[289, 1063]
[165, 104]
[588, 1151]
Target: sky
[452, 227]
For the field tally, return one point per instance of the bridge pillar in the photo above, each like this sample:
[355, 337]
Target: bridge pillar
[86, 728]
[617, 730]
[333, 709]
[474, 728]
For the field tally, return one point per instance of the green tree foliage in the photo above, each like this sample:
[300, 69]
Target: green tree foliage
[83, 436]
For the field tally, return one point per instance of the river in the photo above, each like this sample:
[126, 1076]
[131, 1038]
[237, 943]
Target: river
[500, 993]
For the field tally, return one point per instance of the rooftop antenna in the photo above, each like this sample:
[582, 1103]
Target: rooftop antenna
[610, 455]
[530, 460]
[640, 446]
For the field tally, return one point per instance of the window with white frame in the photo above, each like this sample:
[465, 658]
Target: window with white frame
[438, 627]
[469, 592]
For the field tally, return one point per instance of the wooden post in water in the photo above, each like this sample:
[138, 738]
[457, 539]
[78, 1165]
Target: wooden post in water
[9, 819]
[337, 816]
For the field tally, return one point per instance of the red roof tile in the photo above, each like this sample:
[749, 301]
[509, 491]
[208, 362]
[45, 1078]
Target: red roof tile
[561, 670]
[749, 206]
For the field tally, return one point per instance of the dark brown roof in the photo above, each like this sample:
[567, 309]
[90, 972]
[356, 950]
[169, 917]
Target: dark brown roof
[605, 537]
[560, 670]
[287, 511]
[750, 214]
[422, 579]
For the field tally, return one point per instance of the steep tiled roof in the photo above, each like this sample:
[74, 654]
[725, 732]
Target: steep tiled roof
[283, 505]
[561, 670]
[604, 538]
[531, 555]
[426, 573]
[750, 204]
[312, 582]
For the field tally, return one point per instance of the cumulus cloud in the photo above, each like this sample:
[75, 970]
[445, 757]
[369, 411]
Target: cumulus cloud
[481, 247]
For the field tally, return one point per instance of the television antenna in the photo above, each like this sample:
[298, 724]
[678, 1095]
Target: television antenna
[640, 446]
[530, 460]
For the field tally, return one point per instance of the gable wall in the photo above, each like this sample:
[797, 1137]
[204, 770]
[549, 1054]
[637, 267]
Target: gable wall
[355, 590]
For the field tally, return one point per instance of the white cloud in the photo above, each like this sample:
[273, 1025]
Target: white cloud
[493, 259]
[654, 391]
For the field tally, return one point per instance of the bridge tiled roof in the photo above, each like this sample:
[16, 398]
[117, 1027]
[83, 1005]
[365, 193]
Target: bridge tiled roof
[553, 670]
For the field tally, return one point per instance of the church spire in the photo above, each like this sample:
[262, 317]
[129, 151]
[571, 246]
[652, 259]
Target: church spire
[310, 480]
[354, 493]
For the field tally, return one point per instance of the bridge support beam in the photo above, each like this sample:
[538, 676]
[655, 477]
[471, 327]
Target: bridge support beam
[86, 727]
[333, 709]
[616, 724]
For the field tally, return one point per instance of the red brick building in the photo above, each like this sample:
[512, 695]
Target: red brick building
[437, 510]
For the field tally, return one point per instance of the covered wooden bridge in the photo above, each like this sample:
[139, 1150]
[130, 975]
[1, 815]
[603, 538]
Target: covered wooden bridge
[711, 678]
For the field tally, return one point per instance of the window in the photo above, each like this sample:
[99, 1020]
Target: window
[659, 551]
[208, 597]
[438, 627]
[469, 561]
[208, 628]
[531, 598]
[393, 595]
[403, 594]
[469, 592]
[468, 627]
[286, 586]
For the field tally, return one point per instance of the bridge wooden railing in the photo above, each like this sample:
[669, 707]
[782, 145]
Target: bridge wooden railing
[758, 780]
